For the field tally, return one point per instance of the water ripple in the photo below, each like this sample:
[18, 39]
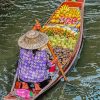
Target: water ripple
[17, 16]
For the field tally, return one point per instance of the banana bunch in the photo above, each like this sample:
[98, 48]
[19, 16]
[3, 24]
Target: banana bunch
[62, 11]
[74, 13]
[66, 12]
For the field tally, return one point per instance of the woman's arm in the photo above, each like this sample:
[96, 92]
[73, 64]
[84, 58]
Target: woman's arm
[51, 62]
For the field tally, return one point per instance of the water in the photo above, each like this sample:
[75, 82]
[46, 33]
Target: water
[17, 16]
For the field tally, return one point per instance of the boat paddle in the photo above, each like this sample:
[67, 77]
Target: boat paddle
[58, 63]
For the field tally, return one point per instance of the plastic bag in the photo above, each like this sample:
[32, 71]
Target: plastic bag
[23, 93]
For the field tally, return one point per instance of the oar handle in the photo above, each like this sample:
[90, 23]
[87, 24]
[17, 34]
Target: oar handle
[15, 78]
[58, 63]
[51, 50]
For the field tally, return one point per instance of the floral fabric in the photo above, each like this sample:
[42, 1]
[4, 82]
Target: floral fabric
[33, 68]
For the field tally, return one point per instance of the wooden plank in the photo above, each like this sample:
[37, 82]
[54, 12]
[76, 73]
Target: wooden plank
[73, 4]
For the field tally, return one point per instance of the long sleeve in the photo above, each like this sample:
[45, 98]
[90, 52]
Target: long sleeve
[49, 64]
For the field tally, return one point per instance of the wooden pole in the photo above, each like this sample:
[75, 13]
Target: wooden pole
[15, 78]
[58, 63]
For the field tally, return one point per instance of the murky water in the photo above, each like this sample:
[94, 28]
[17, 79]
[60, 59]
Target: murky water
[17, 16]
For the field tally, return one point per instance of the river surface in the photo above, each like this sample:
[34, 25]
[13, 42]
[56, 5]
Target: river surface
[17, 17]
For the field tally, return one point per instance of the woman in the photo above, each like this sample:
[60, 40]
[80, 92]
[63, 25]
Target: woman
[33, 62]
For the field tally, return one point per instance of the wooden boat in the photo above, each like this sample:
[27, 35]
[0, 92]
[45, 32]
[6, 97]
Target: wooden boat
[66, 22]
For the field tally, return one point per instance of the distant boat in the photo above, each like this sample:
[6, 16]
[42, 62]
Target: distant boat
[65, 31]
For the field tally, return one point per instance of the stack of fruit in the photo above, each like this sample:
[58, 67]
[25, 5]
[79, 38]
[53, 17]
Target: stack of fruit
[63, 42]
[59, 29]
[61, 36]
[66, 15]
[58, 41]
[62, 53]
[63, 31]
[50, 30]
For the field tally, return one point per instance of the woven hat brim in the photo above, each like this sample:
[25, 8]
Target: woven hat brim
[40, 43]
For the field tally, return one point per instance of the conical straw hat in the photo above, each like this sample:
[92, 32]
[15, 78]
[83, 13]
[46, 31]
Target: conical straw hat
[33, 40]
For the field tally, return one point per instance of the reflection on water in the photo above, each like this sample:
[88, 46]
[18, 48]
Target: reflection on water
[17, 16]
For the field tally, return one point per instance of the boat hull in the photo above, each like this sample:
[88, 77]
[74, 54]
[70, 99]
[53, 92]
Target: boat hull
[78, 49]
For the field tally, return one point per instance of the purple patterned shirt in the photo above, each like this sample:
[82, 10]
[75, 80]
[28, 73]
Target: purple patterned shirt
[33, 68]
